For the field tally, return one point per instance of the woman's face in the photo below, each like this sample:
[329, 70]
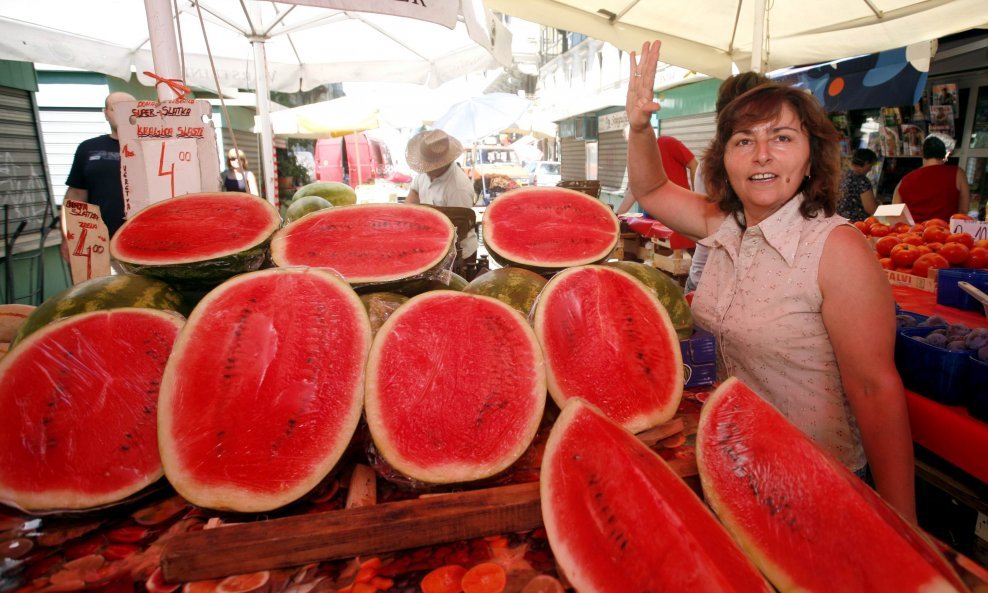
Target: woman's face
[767, 163]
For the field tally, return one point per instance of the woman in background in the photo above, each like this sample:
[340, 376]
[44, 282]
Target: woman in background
[237, 176]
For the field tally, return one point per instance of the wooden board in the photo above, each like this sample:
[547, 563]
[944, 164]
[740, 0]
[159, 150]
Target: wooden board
[87, 240]
[292, 541]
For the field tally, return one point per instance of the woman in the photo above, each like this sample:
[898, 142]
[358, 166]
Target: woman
[237, 176]
[802, 312]
[857, 198]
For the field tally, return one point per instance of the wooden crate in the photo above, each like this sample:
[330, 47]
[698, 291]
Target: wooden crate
[673, 261]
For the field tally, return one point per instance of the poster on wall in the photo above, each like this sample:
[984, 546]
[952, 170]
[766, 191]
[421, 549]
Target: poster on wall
[167, 149]
[945, 94]
[942, 120]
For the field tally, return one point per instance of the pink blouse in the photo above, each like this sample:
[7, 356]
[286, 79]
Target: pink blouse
[760, 296]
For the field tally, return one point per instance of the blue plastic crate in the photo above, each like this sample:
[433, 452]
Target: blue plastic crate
[699, 358]
[951, 295]
[936, 373]
[977, 388]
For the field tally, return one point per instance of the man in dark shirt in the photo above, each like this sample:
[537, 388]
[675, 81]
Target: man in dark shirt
[95, 173]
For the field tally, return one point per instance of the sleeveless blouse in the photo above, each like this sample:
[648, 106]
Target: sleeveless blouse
[761, 298]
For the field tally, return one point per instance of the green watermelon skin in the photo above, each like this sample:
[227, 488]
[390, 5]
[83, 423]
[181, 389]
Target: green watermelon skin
[197, 239]
[435, 414]
[608, 340]
[619, 519]
[516, 287]
[78, 401]
[805, 520]
[260, 399]
[100, 294]
[304, 205]
[666, 290]
[336, 193]
[380, 306]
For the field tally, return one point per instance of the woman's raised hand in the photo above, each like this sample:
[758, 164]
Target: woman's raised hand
[640, 103]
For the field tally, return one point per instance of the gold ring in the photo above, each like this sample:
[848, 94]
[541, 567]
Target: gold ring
[638, 74]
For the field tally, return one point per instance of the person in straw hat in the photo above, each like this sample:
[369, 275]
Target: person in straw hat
[440, 181]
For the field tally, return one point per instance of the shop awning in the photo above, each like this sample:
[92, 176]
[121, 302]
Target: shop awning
[886, 79]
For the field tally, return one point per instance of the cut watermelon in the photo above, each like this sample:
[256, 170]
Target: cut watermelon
[77, 409]
[455, 387]
[806, 521]
[619, 519]
[264, 389]
[666, 290]
[549, 228]
[609, 341]
[197, 238]
[368, 243]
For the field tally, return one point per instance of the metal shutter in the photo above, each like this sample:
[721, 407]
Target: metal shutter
[24, 185]
[63, 130]
[573, 164]
[612, 160]
[695, 131]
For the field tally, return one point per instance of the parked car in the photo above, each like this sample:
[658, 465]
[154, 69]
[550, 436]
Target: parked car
[544, 173]
[494, 169]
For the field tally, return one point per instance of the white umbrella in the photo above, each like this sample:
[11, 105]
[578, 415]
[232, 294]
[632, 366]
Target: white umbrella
[710, 36]
[481, 116]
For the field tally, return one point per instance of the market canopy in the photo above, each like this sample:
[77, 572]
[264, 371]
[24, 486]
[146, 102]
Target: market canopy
[712, 36]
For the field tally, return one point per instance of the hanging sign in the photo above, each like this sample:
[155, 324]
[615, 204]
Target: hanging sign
[87, 240]
[167, 149]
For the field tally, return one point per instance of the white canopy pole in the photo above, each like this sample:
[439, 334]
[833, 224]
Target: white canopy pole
[164, 47]
[758, 43]
[263, 110]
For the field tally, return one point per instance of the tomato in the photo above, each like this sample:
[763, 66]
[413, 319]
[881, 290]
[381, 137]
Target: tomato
[879, 230]
[871, 220]
[904, 255]
[886, 262]
[884, 245]
[913, 238]
[981, 243]
[935, 234]
[955, 253]
[935, 246]
[928, 262]
[924, 249]
[901, 227]
[861, 226]
[917, 228]
[961, 217]
[978, 258]
[963, 238]
[936, 222]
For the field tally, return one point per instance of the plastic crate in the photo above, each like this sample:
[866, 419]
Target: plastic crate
[949, 294]
[977, 388]
[699, 358]
[936, 373]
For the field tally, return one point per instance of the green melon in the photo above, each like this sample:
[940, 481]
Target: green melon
[668, 292]
[380, 306]
[99, 294]
[338, 194]
[304, 205]
[515, 286]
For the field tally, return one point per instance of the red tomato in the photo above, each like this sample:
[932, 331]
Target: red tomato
[961, 216]
[861, 226]
[936, 222]
[927, 262]
[935, 246]
[981, 243]
[963, 238]
[904, 255]
[924, 249]
[955, 253]
[879, 230]
[935, 234]
[917, 228]
[978, 258]
[914, 238]
[884, 245]
[886, 262]
[870, 220]
[901, 227]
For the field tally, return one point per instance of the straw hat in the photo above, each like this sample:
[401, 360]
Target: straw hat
[428, 151]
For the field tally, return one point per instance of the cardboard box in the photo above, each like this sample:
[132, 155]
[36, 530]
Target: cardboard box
[699, 358]
[906, 279]
[891, 214]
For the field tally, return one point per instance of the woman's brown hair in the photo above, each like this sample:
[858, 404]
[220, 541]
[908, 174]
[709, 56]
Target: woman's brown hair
[761, 104]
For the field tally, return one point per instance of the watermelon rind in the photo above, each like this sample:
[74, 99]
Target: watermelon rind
[516, 287]
[666, 290]
[369, 244]
[380, 306]
[618, 519]
[806, 521]
[305, 205]
[77, 410]
[137, 246]
[608, 340]
[334, 192]
[436, 416]
[100, 294]
[564, 228]
[264, 389]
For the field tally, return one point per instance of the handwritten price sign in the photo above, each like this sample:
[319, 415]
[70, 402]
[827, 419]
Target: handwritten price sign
[87, 240]
[172, 167]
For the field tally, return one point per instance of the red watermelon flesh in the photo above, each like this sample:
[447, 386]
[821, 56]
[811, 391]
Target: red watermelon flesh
[194, 228]
[619, 519]
[78, 400]
[367, 243]
[806, 521]
[608, 340]
[263, 391]
[455, 387]
[549, 228]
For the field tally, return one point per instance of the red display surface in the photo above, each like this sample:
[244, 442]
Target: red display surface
[948, 431]
[653, 229]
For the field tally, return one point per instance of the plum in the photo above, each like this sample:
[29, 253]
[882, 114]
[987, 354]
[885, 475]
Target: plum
[933, 320]
[935, 339]
[983, 354]
[957, 346]
[905, 321]
[958, 330]
[920, 339]
[977, 338]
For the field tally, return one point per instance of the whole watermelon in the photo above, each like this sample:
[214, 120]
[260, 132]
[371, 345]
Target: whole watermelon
[304, 205]
[336, 193]
[515, 286]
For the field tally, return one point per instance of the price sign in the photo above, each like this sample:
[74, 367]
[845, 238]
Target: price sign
[86, 239]
[171, 167]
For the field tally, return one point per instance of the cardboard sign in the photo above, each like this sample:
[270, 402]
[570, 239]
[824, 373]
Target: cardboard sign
[167, 149]
[893, 214]
[975, 228]
[87, 240]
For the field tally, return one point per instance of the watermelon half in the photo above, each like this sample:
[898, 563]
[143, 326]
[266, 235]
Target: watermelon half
[608, 340]
[549, 228]
[806, 521]
[78, 400]
[368, 243]
[455, 387]
[263, 391]
[197, 238]
[619, 519]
